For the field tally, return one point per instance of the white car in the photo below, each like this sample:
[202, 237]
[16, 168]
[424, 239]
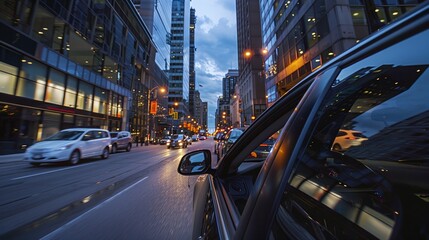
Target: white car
[346, 139]
[70, 145]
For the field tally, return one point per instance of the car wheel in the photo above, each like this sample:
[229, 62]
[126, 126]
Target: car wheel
[336, 147]
[114, 148]
[105, 153]
[36, 164]
[75, 157]
[128, 147]
[168, 147]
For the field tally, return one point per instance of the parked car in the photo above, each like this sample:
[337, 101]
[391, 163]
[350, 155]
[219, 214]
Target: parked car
[304, 189]
[177, 141]
[217, 139]
[70, 145]
[228, 140]
[164, 140]
[121, 141]
[347, 138]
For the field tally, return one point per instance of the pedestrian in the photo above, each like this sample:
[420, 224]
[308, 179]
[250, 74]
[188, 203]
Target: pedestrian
[137, 141]
[141, 141]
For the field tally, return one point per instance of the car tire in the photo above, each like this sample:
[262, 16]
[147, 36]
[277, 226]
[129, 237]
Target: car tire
[74, 157]
[114, 148]
[128, 147]
[36, 164]
[168, 147]
[105, 153]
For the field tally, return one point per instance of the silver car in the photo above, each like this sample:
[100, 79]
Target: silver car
[121, 141]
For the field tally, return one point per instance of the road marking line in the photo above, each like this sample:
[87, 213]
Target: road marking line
[52, 234]
[58, 170]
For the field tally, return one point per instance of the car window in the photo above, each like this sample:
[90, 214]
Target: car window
[65, 135]
[372, 182]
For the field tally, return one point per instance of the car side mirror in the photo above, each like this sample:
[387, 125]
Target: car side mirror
[195, 163]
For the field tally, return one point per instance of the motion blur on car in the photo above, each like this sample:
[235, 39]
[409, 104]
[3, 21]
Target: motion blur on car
[376, 186]
[70, 145]
[348, 138]
[121, 141]
[177, 141]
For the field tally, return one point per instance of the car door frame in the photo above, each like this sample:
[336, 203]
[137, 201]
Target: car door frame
[262, 205]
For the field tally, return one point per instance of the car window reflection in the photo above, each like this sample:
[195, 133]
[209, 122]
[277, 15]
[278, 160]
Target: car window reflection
[367, 161]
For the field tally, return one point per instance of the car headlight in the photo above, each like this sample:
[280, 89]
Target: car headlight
[64, 147]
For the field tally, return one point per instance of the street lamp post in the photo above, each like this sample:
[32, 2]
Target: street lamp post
[148, 134]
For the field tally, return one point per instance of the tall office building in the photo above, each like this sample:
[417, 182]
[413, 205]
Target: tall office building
[156, 14]
[157, 17]
[200, 111]
[250, 80]
[178, 96]
[302, 35]
[228, 83]
[70, 64]
[193, 21]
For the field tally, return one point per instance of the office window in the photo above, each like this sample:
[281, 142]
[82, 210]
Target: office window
[71, 90]
[55, 88]
[7, 78]
[32, 80]
[84, 97]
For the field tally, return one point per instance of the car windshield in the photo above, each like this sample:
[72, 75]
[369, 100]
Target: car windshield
[175, 136]
[113, 134]
[66, 135]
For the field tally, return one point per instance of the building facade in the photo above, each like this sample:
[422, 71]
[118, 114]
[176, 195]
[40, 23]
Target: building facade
[156, 16]
[71, 64]
[302, 35]
[228, 84]
[193, 21]
[178, 95]
[250, 61]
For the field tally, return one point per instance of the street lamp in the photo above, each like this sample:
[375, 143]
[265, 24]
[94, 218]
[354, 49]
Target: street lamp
[148, 134]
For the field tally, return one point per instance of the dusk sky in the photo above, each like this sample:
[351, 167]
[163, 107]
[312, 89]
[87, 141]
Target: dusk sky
[216, 43]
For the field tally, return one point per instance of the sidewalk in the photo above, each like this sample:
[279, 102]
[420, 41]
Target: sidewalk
[11, 157]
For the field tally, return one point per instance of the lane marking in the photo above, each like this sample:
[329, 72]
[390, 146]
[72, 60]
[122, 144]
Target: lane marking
[43, 173]
[52, 234]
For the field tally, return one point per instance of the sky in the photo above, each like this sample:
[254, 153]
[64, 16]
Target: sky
[216, 43]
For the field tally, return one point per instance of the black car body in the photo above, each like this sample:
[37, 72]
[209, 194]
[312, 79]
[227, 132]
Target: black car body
[178, 141]
[304, 189]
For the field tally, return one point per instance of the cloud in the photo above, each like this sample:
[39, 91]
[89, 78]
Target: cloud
[216, 43]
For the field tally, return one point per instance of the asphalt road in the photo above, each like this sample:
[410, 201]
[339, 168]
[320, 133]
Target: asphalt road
[130, 195]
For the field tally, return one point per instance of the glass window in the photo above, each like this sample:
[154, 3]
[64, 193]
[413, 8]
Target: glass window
[51, 124]
[32, 79]
[100, 100]
[7, 78]
[84, 97]
[55, 88]
[83, 121]
[43, 26]
[364, 172]
[71, 92]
